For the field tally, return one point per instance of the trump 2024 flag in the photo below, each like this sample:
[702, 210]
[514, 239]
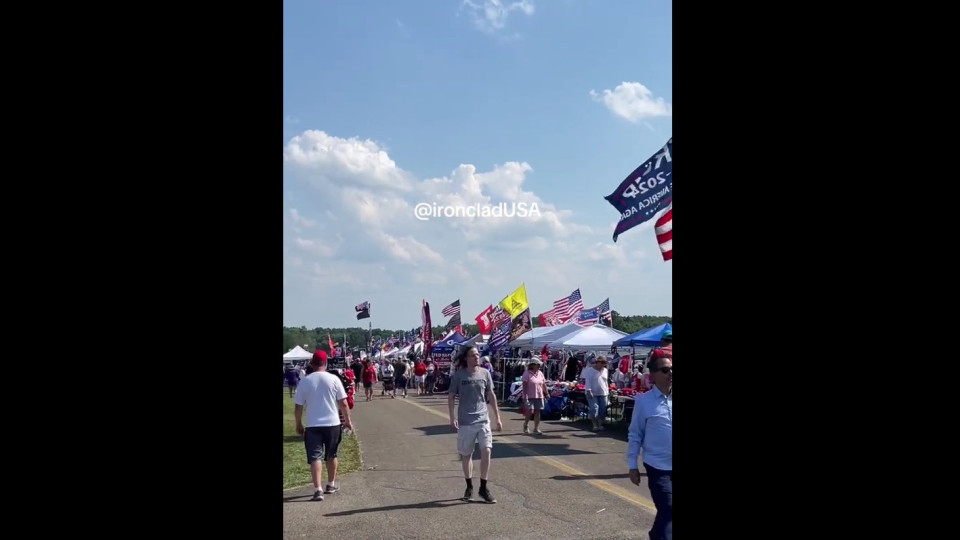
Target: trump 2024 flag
[645, 192]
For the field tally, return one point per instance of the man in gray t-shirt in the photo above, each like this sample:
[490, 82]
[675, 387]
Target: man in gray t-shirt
[474, 388]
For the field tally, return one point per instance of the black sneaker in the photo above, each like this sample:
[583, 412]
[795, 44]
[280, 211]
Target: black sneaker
[317, 496]
[331, 489]
[467, 494]
[486, 496]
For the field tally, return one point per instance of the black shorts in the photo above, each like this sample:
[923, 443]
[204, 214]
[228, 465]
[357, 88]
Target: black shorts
[401, 382]
[321, 443]
[368, 385]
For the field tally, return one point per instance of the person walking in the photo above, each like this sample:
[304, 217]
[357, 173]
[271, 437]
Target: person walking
[325, 400]
[369, 377]
[534, 396]
[651, 430]
[596, 383]
[420, 373]
[474, 387]
[292, 376]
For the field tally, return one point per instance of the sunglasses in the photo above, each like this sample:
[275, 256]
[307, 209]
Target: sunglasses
[666, 370]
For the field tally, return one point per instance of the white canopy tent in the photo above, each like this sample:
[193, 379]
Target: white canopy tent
[527, 338]
[297, 353]
[548, 334]
[597, 336]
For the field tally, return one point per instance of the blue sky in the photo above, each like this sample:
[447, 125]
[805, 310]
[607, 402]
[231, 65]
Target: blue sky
[388, 104]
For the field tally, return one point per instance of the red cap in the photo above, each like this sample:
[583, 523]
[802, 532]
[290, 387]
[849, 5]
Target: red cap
[662, 353]
[321, 356]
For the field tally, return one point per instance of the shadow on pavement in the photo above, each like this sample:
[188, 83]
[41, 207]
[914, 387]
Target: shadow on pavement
[608, 434]
[593, 476]
[514, 450]
[442, 429]
[431, 504]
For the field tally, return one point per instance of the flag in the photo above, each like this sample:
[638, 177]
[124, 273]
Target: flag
[498, 317]
[603, 311]
[483, 320]
[427, 329]
[454, 322]
[664, 230]
[588, 317]
[520, 324]
[363, 310]
[500, 336]
[452, 309]
[565, 308]
[516, 302]
[333, 346]
[645, 192]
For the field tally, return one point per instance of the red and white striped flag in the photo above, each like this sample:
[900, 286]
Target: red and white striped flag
[664, 230]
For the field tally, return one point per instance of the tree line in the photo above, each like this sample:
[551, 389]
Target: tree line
[356, 337]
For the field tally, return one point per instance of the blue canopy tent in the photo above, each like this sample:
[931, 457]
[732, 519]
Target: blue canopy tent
[443, 350]
[649, 337]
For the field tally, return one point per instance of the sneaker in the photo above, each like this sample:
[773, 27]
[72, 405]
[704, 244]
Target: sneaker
[331, 489]
[538, 432]
[467, 494]
[526, 429]
[486, 496]
[317, 496]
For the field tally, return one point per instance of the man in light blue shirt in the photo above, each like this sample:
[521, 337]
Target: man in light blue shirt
[651, 430]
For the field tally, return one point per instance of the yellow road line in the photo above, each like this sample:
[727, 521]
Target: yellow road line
[600, 484]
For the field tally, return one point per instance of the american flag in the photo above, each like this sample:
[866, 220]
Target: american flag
[452, 309]
[565, 308]
[604, 309]
[664, 230]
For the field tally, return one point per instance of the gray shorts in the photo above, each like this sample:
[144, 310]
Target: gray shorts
[321, 443]
[469, 435]
[535, 404]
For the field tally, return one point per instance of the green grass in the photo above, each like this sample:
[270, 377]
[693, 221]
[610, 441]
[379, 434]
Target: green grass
[296, 472]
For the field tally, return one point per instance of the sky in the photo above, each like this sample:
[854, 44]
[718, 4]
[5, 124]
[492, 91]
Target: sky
[387, 105]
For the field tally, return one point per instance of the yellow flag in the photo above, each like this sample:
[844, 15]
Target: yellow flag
[516, 302]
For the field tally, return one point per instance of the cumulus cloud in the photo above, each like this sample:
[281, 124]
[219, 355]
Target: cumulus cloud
[351, 235]
[491, 16]
[352, 160]
[632, 101]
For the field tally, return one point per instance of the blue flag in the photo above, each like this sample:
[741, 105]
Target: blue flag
[645, 192]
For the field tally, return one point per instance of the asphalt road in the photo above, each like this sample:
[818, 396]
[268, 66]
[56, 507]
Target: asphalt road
[567, 483]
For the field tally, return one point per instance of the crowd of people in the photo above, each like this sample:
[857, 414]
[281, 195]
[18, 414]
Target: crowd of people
[327, 398]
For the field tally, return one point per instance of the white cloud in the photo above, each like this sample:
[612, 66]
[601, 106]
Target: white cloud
[491, 16]
[345, 160]
[300, 222]
[315, 246]
[633, 101]
[351, 236]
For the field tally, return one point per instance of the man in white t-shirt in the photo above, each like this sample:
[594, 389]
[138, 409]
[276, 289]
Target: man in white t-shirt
[596, 384]
[325, 399]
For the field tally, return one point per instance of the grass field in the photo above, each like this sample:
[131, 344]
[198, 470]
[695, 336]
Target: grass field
[296, 472]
